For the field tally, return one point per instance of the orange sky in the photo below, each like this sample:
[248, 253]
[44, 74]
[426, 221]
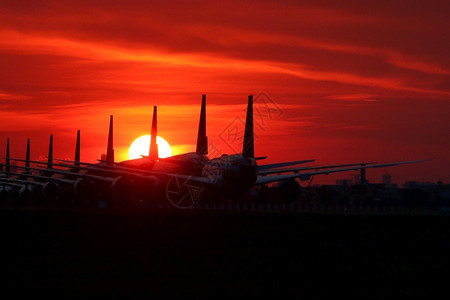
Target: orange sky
[361, 82]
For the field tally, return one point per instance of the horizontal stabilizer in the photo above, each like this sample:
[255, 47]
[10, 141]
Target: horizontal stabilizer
[284, 164]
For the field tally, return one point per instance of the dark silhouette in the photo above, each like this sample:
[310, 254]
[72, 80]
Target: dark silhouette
[183, 181]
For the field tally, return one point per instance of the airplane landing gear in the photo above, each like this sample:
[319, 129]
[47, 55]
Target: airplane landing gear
[183, 193]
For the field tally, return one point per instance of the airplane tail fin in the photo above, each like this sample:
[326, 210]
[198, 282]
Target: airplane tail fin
[27, 158]
[153, 151]
[110, 149]
[7, 162]
[50, 153]
[77, 150]
[202, 139]
[248, 148]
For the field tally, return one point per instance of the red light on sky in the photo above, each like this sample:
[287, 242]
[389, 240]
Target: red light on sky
[366, 82]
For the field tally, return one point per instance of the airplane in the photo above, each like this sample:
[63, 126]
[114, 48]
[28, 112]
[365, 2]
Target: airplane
[183, 180]
[166, 173]
[236, 174]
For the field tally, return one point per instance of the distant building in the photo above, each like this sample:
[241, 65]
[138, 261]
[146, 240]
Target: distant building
[344, 182]
[386, 179]
[357, 179]
[418, 184]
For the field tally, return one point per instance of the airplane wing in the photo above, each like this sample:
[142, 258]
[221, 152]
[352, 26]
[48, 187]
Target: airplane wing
[302, 176]
[111, 170]
[307, 175]
[297, 170]
[52, 179]
[19, 182]
[283, 164]
[88, 166]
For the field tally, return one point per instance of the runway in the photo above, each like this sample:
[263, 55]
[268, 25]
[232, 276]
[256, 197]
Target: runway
[64, 252]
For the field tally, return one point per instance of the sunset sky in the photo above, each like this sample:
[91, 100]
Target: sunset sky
[344, 81]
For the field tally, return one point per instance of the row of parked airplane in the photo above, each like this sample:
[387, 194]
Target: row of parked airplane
[183, 180]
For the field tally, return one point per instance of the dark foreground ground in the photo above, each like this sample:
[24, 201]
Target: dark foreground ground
[166, 254]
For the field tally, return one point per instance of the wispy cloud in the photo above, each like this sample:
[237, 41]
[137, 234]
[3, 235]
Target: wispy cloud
[342, 73]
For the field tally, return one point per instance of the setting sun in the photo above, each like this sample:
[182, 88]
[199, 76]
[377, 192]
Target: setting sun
[141, 145]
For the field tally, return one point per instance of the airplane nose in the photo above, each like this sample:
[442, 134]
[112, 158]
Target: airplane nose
[246, 169]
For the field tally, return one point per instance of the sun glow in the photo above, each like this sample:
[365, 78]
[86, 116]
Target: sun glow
[141, 145]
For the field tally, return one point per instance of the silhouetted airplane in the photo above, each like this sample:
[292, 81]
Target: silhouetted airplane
[167, 177]
[182, 179]
[234, 175]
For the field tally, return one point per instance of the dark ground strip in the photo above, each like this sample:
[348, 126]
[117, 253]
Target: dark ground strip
[192, 253]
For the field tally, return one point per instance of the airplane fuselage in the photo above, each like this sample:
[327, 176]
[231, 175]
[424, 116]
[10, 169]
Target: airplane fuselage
[232, 175]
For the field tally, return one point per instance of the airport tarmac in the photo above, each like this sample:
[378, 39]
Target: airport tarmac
[180, 254]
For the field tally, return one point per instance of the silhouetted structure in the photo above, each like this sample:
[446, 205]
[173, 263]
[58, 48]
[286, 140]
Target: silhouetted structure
[183, 180]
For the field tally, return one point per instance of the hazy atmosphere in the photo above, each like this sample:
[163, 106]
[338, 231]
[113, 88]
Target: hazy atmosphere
[338, 83]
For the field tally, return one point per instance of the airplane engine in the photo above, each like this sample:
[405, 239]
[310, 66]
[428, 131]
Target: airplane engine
[122, 188]
[83, 189]
[289, 189]
[50, 191]
[12, 194]
[29, 193]
[24, 192]
[232, 174]
[11, 190]
[3, 194]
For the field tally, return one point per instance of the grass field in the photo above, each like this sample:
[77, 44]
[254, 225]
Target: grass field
[179, 254]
